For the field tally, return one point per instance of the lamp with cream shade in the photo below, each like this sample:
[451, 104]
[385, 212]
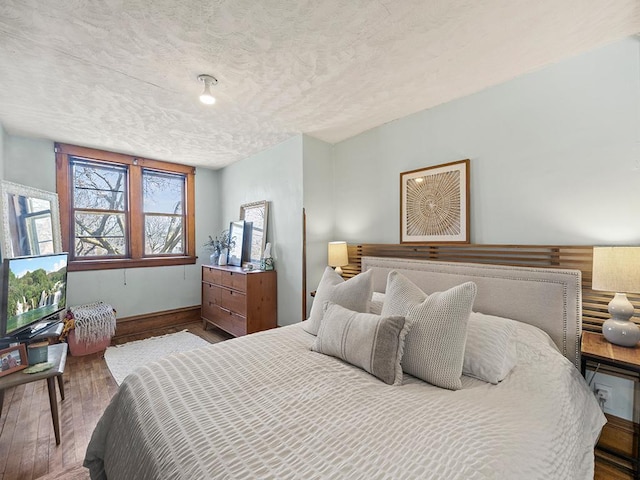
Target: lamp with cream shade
[338, 255]
[617, 269]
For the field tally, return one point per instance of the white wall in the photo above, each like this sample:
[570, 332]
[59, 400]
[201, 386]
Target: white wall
[274, 175]
[133, 291]
[555, 157]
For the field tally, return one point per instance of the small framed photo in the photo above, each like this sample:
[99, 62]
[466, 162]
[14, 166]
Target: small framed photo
[236, 243]
[434, 204]
[13, 359]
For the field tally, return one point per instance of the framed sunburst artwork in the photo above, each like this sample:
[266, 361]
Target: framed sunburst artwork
[434, 204]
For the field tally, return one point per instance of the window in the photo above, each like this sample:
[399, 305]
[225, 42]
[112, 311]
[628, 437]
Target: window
[121, 211]
[33, 216]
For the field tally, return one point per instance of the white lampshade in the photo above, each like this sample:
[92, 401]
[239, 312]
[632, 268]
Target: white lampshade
[338, 255]
[616, 269]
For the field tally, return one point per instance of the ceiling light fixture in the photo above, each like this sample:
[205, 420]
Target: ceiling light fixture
[206, 97]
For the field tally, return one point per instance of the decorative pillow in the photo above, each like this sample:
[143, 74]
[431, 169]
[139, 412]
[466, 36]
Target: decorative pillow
[490, 353]
[354, 294]
[377, 300]
[434, 347]
[368, 341]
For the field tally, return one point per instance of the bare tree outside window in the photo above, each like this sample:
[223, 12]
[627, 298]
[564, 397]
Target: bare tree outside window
[164, 212]
[124, 211]
[99, 201]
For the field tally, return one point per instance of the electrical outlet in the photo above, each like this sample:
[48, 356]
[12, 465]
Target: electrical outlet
[604, 394]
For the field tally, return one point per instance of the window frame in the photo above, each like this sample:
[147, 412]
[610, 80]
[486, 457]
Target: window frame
[135, 213]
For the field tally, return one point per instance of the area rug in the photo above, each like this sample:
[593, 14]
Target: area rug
[124, 359]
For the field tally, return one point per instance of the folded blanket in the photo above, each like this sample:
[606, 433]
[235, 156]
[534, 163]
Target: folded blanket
[93, 322]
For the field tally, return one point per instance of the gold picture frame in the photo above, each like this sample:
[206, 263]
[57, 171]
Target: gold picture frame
[256, 217]
[434, 204]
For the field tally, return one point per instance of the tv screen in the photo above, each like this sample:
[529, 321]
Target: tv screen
[33, 288]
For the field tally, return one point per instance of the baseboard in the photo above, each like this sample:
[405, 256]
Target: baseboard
[149, 322]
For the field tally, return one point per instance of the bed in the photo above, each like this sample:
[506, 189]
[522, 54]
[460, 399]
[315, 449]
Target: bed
[268, 406]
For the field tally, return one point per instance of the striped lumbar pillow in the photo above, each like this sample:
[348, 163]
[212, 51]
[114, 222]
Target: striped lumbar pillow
[368, 341]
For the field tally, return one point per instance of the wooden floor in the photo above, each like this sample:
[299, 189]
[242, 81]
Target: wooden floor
[605, 471]
[27, 443]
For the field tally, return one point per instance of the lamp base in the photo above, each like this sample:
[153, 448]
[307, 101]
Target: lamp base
[621, 332]
[338, 270]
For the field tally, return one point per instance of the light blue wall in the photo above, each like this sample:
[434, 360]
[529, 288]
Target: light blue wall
[208, 210]
[3, 141]
[274, 175]
[555, 157]
[30, 161]
[319, 207]
[135, 291]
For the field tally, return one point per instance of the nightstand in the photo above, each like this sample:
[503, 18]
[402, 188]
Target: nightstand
[618, 443]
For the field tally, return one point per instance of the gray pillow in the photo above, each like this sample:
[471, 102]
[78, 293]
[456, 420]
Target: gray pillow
[365, 340]
[354, 294]
[434, 347]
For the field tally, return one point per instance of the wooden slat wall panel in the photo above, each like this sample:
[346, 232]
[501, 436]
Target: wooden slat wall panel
[594, 304]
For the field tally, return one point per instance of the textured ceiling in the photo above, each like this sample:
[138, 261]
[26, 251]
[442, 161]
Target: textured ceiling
[121, 74]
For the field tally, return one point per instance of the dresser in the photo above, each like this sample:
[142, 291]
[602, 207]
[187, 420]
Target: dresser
[239, 302]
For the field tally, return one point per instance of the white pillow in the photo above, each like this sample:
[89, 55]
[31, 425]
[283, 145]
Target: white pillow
[434, 347]
[368, 341]
[377, 300]
[354, 294]
[490, 353]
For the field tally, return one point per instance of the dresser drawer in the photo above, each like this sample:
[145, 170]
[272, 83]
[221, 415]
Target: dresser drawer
[209, 311]
[211, 293]
[231, 322]
[211, 275]
[234, 301]
[236, 281]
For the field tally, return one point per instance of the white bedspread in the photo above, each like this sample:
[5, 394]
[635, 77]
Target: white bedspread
[266, 407]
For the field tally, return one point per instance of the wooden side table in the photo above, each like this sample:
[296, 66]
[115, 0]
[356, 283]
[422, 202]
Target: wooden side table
[57, 354]
[597, 350]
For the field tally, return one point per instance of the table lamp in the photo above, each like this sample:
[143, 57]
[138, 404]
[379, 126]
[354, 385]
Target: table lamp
[617, 269]
[338, 255]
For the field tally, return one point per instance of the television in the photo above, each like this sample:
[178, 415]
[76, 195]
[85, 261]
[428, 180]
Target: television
[33, 292]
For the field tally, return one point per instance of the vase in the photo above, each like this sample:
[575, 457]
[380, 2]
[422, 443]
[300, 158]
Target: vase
[213, 258]
[222, 260]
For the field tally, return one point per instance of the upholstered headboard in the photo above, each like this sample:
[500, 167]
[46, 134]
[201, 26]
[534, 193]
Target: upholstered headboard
[550, 299]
